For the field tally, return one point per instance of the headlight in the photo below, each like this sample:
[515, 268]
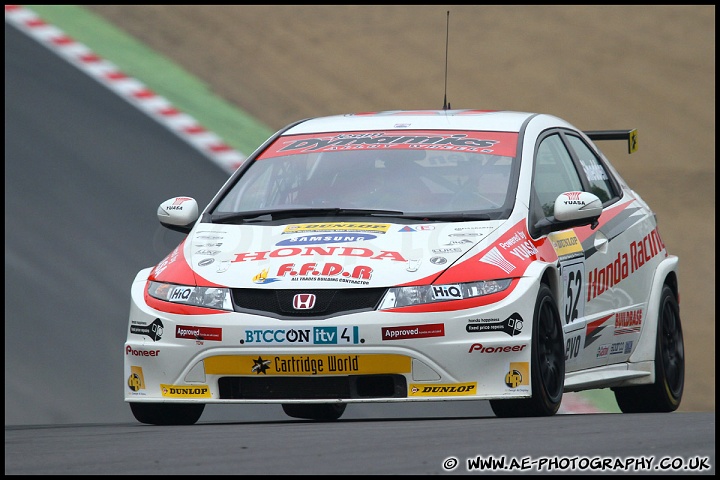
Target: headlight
[208, 297]
[406, 296]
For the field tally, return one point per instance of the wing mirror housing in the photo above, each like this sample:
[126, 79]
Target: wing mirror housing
[572, 209]
[571, 206]
[178, 213]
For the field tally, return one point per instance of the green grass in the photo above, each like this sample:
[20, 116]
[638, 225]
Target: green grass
[160, 74]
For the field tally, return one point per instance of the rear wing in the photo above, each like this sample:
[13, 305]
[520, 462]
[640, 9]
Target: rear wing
[629, 135]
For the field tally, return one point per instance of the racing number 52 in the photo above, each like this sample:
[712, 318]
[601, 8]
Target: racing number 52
[573, 275]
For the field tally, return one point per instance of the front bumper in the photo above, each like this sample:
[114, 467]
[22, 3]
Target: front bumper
[471, 354]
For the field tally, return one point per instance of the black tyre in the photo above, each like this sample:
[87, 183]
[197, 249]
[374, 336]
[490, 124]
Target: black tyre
[315, 411]
[666, 393]
[547, 364]
[167, 413]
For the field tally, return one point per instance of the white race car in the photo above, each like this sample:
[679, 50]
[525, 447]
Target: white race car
[410, 256]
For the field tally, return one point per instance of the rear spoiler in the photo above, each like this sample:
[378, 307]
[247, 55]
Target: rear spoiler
[629, 135]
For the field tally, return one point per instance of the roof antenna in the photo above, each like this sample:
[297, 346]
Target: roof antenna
[446, 105]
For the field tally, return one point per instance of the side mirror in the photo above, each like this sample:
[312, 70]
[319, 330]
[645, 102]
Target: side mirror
[178, 213]
[572, 209]
[577, 206]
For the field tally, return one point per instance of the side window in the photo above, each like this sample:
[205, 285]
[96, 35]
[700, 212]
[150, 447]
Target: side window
[554, 173]
[595, 172]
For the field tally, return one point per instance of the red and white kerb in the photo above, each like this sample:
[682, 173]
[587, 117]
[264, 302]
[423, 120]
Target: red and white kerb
[132, 90]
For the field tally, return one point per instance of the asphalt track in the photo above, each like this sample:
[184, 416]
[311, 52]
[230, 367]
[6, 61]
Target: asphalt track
[84, 172]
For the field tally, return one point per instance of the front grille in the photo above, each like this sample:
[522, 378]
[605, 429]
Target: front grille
[312, 388]
[279, 303]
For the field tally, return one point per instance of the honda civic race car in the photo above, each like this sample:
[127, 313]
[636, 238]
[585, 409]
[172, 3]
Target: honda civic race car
[410, 256]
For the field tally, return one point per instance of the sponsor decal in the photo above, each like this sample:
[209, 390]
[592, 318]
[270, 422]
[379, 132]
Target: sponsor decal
[498, 143]
[447, 250]
[224, 265]
[628, 346]
[617, 348]
[573, 198]
[566, 244]
[459, 242]
[444, 390]
[572, 347]
[628, 322]
[447, 292]
[303, 336]
[136, 380]
[413, 331]
[178, 203]
[154, 330]
[413, 265]
[327, 272]
[185, 391]
[166, 262]
[359, 252]
[466, 234]
[494, 257]
[438, 260]
[180, 294]
[595, 173]
[139, 352]
[518, 374]
[512, 325]
[358, 274]
[262, 277]
[306, 364]
[198, 333]
[337, 227]
[602, 351]
[323, 239]
[207, 252]
[476, 227]
[520, 245]
[478, 347]
[205, 261]
[640, 252]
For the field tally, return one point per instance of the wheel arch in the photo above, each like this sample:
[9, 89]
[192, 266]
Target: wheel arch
[665, 274]
[551, 278]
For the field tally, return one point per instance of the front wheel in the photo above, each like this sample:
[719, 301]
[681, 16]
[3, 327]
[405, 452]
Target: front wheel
[315, 411]
[547, 364]
[665, 394]
[167, 413]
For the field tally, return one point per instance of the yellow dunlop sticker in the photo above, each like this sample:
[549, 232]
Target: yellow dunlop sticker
[185, 391]
[518, 375]
[337, 227]
[565, 243]
[442, 390]
[306, 364]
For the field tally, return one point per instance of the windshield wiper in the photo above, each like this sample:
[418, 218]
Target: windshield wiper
[450, 216]
[255, 215]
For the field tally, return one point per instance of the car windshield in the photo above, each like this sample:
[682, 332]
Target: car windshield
[397, 179]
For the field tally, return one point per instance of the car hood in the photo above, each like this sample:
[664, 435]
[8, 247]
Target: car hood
[334, 254]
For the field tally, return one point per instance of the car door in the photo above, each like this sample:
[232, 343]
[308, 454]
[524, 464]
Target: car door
[581, 251]
[617, 284]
